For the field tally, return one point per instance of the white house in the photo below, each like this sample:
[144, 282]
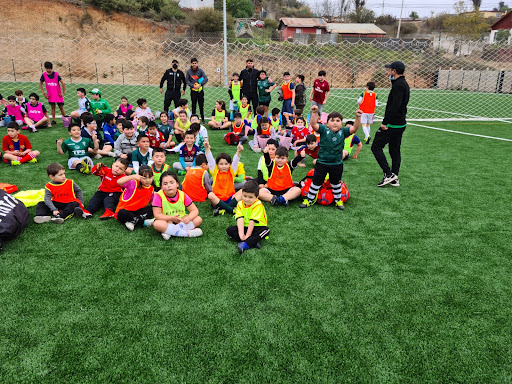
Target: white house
[195, 4]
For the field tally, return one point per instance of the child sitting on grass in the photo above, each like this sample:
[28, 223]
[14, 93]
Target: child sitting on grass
[62, 198]
[264, 131]
[156, 139]
[170, 206]
[142, 124]
[158, 167]
[223, 196]
[182, 106]
[142, 155]
[15, 111]
[280, 188]
[143, 110]
[17, 148]
[251, 219]
[181, 125]
[188, 153]
[110, 132]
[125, 109]
[126, 143]
[275, 119]
[245, 110]
[37, 115]
[330, 154]
[166, 130]
[262, 168]
[352, 141]
[109, 191]
[133, 208]
[90, 131]
[84, 104]
[238, 128]
[219, 119]
[199, 139]
[197, 182]
[299, 132]
[77, 148]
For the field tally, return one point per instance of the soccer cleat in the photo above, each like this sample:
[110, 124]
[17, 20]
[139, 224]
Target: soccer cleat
[79, 212]
[275, 200]
[367, 140]
[283, 201]
[130, 225]
[33, 161]
[395, 183]
[166, 236]
[306, 203]
[107, 215]
[42, 219]
[57, 220]
[149, 222]
[196, 232]
[86, 169]
[242, 247]
[15, 162]
[218, 211]
[258, 245]
[339, 204]
[387, 179]
[54, 122]
[33, 129]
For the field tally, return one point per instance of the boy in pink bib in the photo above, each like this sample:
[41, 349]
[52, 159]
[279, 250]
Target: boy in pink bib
[54, 93]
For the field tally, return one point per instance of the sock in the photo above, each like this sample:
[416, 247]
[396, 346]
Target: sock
[27, 158]
[313, 191]
[225, 206]
[233, 203]
[175, 230]
[366, 131]
[336, 191]
[186, 227]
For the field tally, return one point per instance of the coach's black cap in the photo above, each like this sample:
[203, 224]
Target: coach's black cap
[398, 66]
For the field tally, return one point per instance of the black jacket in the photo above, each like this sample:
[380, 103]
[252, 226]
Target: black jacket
[396, 108]
[250, 81]
[174, 80]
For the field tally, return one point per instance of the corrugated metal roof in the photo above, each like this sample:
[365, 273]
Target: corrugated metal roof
[354, 28]
[311, 22]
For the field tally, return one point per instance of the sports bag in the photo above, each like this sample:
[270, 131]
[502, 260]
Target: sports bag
[325, 196]
[14, 217]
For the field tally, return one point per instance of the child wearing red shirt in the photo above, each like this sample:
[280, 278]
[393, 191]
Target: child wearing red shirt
[299, 132]
[109, 191]
[17, 148]
[320, 92]
[156, 138]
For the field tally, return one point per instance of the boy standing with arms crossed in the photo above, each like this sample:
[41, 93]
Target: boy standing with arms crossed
[330, 153]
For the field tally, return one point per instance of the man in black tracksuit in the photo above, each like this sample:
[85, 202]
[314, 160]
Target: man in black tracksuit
[174, 78]
[249, 77]
[393, 125]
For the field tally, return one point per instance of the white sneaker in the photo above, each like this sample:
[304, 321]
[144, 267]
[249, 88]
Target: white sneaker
[196, 232]
[112, 154]
[98, 156]
[130, 225]
[42, 219]
[57, 220]
[149, 222]
[166, 236]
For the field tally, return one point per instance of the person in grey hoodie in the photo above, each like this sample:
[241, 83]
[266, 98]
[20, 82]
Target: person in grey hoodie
[196, 79]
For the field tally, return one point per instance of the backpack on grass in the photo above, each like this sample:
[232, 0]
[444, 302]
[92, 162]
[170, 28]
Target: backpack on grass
[14, 217]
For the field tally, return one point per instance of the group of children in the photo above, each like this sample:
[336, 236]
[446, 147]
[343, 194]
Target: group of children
[141, 190]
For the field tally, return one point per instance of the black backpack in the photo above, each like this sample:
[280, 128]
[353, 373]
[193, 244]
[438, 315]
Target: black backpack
[14, 217]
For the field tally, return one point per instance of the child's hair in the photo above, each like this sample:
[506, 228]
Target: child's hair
[370, 85]
[123, 161]
[13, 125]
[235, 74]
[244, 97]
[301, 118]
[260, 109]
[189, 132]
[124, 98]
[88, 120]
[182, 102]
[350, 122]
[310, 139]
[334, 115]
[18, 92]
[158, 150]
[144, 119]
[194, 115]
[81, 90]
[221, 156]
[141, 136]
[275, 111]
[120, 120]
[11, 98]
[54, 168]
[73, 125]
[182, 113]
[273, 142]
[200, 159]
[34, 95]
[237, 114]
[286, 73]
[297, 112]
[152, 124]
[169, 174]
[281, 152]
[85, 115]
[262, 71]
[162, 113]
[263, 120]
[301, 77]
[321, 73]
[222, 104]
[48, 65]
[194, 127]
[141, 101]
[109, 117]
[251, 186]
[127, 125]
[146, 171]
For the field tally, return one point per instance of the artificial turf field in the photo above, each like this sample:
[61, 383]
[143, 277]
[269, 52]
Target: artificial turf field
[408, 284]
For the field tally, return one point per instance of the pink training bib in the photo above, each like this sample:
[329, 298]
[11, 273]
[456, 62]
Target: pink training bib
[53, 88]
[15, 111]
[35, 113]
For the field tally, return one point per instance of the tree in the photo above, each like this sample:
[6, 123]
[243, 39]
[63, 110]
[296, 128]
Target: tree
[386, 20]
[502, 7]
[476, 4]
[240, 8]
[362, 15]
[209, 20]
[469, 25]
[414, 15]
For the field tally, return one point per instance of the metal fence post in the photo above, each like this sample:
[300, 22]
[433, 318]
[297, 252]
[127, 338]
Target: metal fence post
[97, 79]
[13, 70]
[122, 72]
[70, 78]
[147, 66]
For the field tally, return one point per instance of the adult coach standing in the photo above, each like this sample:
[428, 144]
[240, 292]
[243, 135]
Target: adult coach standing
[174, 78]
[393, 125]
[249, 77]
[196, 80]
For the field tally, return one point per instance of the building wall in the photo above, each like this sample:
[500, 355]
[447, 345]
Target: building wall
[288, 32]
[195, 4]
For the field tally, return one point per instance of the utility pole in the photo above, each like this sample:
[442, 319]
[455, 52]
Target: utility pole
[225, 44]
[399, 21]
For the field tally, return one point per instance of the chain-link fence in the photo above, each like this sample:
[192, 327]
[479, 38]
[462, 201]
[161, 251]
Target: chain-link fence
[449, 79]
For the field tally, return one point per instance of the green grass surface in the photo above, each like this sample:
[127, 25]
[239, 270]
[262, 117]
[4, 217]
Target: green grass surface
[409, 284]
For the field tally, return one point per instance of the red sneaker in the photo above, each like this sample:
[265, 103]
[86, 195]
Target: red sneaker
[107, 215]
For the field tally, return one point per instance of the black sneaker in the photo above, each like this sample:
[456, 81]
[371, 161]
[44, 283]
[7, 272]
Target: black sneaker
[368, 140]
[395, 183]
[275, 200]
[387, 179]
[54, 122]
[218, 211]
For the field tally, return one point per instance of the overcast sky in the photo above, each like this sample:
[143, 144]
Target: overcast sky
[423, 8]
